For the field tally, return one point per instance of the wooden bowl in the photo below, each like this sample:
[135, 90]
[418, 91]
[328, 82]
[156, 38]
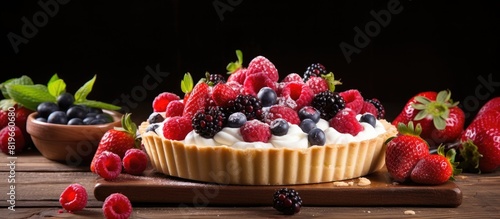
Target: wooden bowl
[74, 145]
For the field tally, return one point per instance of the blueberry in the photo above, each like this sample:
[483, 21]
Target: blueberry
[98, 121]
[307, 125]
[368, 118]
[76, 111]
[309, 112]
[152, 127]
[95, 110]
[236, 120]
[41, 119]
[58, 117]
[155, 117]
[65, 100]
[75, 121]
[267, 96]
[44, 109]
[104, 117]
[279, 127]
[88, 120]
[316, 137]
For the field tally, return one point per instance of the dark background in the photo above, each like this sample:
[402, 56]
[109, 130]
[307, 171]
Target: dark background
[429, 45]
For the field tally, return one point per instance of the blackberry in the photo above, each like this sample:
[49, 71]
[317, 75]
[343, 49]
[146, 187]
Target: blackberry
[287, 201]
[213, 79]
[209, 121]
[379, 106]
[249, 105]
[328, 103]
[314, 70]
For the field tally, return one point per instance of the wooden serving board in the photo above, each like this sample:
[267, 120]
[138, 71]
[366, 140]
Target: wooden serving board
[156, 188]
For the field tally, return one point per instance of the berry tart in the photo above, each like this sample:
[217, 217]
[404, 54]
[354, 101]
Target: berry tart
[254, 129]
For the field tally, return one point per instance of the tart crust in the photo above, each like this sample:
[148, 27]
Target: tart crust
[274, 166]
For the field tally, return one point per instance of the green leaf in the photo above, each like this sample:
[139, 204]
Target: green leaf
[26, 80]
[53, 78]
[81, 94]
[56, 87]
[30, 95]
[439, 123]
[6, 103]
[233, 66]
[97, 104]
[187, 83]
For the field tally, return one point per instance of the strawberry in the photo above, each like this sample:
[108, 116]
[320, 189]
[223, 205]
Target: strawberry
[404, 151]
[222, 94]
[436, 169]
[323, 82]
[3, 118]
[261, 64]
[161, 101]
[300, 93]
[492, 104]
[480, 147]
[118, 140]
[435, 113]
[236, 71]
[197, 99]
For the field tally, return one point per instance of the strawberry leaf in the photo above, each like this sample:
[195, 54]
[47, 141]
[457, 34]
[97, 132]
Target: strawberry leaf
[233, 66]
[187, 83]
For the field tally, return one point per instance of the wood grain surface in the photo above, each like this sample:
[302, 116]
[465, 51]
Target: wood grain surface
[380, 192]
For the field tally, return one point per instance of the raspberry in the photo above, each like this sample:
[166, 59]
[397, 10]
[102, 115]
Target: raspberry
[18, 139]
[117, 205]
[254, 82]
[292, 77]
[261, 64]
[238, 76]
[177, 127]
[353, 100]
[298, 92]
[108, 165]
[368, 108]
[287, 201]
[174, 108]
[279, 111]
[74, 198]
[161, 101]
[135, 161]
[317, 84]
[345, 122]
[255, 130]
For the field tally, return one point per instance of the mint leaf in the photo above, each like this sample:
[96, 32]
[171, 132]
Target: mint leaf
[21, 80]
[56, 87]
[97, 104]
[53, 78]
[6, 103]
[81, 94]
[30, 95]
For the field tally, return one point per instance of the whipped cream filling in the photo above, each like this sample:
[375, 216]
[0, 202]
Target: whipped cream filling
[295, 138]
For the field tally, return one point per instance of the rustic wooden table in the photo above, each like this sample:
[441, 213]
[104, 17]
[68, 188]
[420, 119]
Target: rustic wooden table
[39, 182]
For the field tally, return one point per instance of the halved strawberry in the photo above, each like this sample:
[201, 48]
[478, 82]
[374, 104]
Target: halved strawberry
[197, 99]
[222, 94]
